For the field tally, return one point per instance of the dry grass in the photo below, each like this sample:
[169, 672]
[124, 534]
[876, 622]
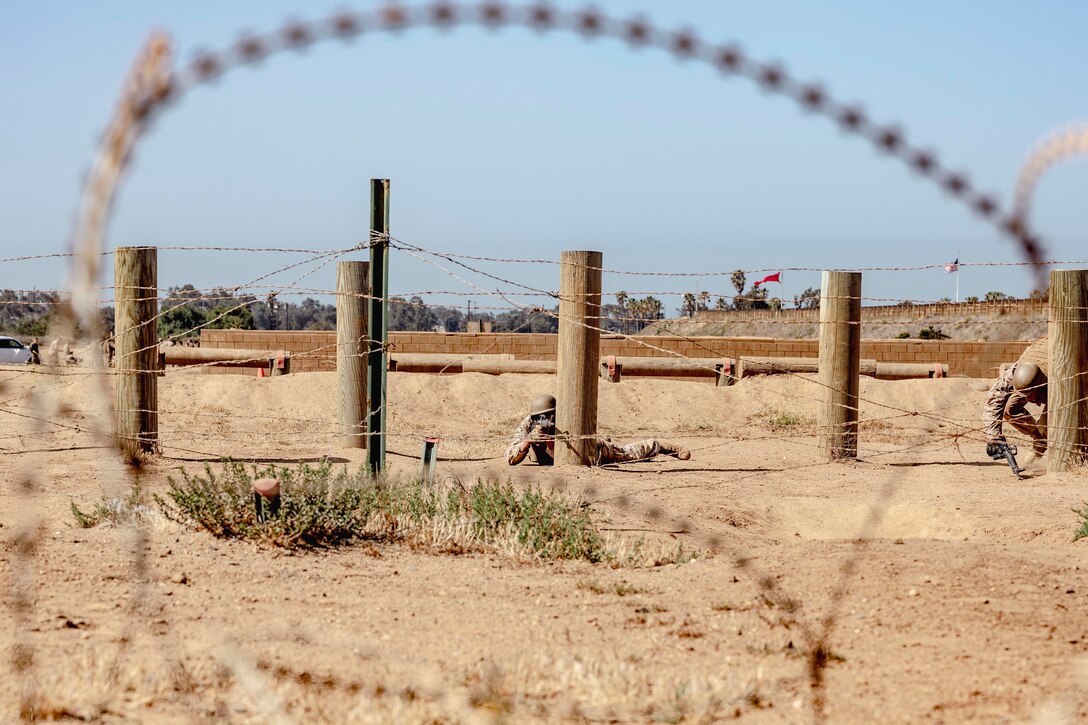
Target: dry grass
[324, 506]
[780, 420]
[533, 689]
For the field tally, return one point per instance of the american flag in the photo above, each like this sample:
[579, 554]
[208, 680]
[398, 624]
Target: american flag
[953, 267]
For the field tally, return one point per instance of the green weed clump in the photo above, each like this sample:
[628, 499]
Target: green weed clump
[785, 420]
[113, 510]
[1082, 530]
[323, 506]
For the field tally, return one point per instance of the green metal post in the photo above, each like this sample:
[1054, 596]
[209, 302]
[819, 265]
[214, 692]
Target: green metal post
[378, 324]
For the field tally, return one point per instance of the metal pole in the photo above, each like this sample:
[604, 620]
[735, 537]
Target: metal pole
[377, 323]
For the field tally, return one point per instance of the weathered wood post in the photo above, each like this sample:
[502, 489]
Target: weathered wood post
[840, 363]
[579, 356]
[351, 353]
[1067, 385]
[136, 296]
[377, 324]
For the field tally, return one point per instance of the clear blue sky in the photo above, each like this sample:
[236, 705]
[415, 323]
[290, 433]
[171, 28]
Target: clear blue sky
[514, 144]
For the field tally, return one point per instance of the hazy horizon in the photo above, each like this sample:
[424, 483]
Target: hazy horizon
[515, 144]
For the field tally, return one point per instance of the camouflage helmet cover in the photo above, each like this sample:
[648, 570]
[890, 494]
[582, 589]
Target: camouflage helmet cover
[542, 404]
[1027, 375]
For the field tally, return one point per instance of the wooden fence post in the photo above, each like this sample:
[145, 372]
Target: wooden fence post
[579, 355]
[378, 324]
[1067, 385]
[351, 353]
[840, 363]
[136, 296]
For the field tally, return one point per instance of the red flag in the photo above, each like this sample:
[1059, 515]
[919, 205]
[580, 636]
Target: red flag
[769, 278]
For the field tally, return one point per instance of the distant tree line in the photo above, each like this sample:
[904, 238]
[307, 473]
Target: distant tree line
[186, 310]
[754, 298]
[223, 309]
[29, 313]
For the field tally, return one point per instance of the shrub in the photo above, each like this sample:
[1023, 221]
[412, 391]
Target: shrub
[1082, 530]
[321, 506]
[318, 508]
[902, 336]
[931, 333]
[113, 510]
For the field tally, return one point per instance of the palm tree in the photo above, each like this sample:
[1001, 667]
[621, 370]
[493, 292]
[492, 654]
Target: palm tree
[688, 308]
[704, 301]
[621, 300]
[738, 278]
[638, 310]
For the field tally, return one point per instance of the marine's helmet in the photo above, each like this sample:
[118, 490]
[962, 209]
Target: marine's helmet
[1028, 376]
[542, 404]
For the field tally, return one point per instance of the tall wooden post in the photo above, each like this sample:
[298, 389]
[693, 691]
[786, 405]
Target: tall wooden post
[351, 353]
[377, 323]
[136, 296]
[840, 363]
[579, 356]
[1067, 385]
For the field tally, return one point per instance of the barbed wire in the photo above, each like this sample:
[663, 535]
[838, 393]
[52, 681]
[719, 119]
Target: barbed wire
[152, 88]
[758, 270]
[1062, 145]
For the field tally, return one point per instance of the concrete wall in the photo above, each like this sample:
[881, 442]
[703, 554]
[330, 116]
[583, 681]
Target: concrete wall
[317, 350]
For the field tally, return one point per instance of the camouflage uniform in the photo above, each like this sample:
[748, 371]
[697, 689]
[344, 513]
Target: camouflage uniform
[543, 450]
[1005, 403]
[607, 452]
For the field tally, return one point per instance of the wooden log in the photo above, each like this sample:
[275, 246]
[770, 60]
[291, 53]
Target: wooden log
[179, 355]
[498, 367]
[839, 364]
[747, 366]
[425, 362]
[136, 345]
[352, 291]
[579, 357]
[1067, 384]
[691, 367]
[905, 371]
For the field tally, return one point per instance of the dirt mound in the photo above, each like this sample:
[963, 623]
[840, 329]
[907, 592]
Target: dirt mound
[962, 596]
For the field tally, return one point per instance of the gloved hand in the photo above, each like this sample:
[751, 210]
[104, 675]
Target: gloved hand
[996, 448]
[539, 434]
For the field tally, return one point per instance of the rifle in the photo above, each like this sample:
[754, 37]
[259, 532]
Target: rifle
[997, 451]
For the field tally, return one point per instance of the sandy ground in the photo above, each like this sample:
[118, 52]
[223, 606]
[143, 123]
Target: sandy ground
[951, 591]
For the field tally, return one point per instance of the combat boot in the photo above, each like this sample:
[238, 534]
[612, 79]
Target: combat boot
[673, 449]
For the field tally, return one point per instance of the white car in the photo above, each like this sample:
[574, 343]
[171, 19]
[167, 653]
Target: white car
[13, 352]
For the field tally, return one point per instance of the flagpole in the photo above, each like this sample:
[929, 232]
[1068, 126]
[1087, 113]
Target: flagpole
[956, 277]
